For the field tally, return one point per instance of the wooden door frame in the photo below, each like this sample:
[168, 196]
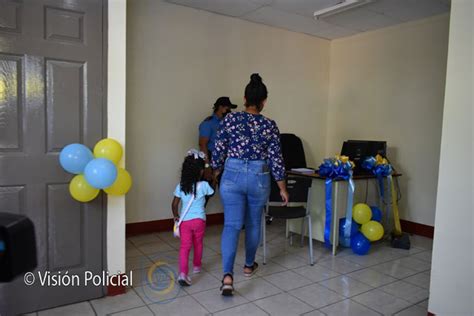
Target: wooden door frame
[105, 46]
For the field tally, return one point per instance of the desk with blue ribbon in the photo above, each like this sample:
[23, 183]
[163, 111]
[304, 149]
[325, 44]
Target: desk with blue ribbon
[331, 173]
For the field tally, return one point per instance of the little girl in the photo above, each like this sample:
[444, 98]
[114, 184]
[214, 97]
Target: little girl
[191, 192]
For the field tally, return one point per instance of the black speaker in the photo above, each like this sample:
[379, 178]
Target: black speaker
[17, 246]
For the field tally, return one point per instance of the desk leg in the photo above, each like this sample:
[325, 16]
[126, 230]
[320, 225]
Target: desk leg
[310, 229]
[335, 217]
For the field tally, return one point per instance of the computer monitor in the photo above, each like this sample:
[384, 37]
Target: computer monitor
[358, 150]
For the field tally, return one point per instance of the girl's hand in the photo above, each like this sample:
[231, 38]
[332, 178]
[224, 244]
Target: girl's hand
[284, 196]
[174, 207]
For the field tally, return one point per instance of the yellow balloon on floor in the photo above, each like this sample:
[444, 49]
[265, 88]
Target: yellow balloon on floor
[121, 185]
[108, 148]
[81, 190]
[361, 213]
[372, 230]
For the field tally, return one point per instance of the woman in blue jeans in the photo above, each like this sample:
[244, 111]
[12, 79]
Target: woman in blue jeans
[248, 148]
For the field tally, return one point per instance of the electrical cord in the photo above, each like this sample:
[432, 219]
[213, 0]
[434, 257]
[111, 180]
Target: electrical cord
[399, 192]
[366, 190]
[382, 199]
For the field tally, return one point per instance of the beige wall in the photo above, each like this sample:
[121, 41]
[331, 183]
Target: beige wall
[389, 85]
[179, 60]
[452, 269]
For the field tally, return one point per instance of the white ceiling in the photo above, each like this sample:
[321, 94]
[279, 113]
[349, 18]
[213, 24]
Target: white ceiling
[297, 15]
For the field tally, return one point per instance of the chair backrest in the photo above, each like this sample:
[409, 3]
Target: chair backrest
[292, 151]
[297, 188]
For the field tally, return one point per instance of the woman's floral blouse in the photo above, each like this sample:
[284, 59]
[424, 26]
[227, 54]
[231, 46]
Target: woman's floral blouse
[249, 136]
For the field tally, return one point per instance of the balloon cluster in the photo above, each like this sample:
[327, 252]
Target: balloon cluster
[370, 230]
[376, 216]
[95, 171]
[378, 165]
[338, 167]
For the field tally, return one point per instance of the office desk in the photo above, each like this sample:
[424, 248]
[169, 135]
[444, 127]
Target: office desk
[335, 200]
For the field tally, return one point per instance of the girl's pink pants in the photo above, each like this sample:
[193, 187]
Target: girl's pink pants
[191, 234]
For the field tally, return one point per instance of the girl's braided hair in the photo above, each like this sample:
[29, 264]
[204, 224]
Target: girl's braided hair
[191, 174]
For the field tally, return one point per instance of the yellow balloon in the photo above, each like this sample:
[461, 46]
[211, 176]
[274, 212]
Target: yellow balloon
[110, 149]
[122, 184]
[361, 213]
[81, 190]
[372, 230]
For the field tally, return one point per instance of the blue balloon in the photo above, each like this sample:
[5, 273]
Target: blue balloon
[376, 214]
[343, 241]
[101, 173]
[74, 158]
[360, 244]
[342, 227]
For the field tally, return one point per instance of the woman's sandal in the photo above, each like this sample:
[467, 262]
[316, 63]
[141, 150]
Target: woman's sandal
[227, 289]
[252, 268]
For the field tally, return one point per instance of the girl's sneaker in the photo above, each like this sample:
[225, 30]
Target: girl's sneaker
[196, 270]
[184, 280]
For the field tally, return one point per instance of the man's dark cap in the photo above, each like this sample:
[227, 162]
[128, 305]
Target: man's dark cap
[224, 101]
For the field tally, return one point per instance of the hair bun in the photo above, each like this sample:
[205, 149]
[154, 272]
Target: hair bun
[255, 78]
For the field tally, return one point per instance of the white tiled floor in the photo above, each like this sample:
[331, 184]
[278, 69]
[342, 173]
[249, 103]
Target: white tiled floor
[385, 282]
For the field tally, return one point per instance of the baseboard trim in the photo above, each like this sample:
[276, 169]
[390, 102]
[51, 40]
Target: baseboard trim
[417, 228]
[133, 229]
[117, 289]
[163, 225]
[215, 219]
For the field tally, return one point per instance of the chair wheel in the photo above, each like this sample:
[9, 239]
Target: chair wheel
[269, 220]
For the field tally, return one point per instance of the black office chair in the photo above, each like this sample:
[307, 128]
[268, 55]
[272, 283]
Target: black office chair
[293, 154]
[293, 151]
[298, 188]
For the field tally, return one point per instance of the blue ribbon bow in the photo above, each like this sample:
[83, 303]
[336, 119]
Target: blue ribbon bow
[381, 169]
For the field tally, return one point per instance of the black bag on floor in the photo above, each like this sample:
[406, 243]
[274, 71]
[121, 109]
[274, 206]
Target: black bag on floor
[401, 241]
[17, 246]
